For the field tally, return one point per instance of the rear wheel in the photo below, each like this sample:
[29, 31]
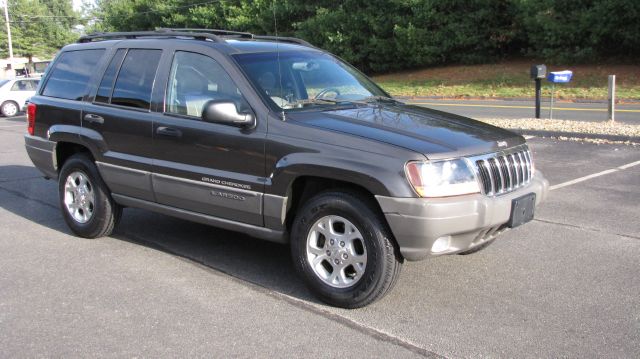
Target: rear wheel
[344, 250]
[87, 206]
[9, 109]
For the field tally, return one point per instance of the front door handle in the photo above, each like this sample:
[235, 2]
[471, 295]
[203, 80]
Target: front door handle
[91, 118]
[169, 132]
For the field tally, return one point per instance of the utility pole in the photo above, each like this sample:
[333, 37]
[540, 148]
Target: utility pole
[6, 20]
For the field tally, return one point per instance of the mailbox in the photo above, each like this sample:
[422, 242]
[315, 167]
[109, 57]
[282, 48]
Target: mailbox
[559, 77]
[538, 71]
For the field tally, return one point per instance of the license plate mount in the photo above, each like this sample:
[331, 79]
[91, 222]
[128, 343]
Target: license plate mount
[522, 210]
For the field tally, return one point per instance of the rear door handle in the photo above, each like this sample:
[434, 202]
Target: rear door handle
[168, 131]
[91, 118]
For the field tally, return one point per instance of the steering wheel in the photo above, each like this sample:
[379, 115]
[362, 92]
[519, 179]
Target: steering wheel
[322, 93]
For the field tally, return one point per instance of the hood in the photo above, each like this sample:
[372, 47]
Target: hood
[435, 134]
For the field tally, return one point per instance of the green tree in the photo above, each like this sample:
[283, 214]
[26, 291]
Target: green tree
[38, 28]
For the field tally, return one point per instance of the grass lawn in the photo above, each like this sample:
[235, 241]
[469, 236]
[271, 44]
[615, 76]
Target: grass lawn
[511, 79]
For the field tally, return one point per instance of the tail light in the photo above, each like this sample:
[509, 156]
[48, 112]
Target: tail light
[31, 118]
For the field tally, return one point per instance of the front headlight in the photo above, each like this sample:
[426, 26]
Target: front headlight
[442, 178]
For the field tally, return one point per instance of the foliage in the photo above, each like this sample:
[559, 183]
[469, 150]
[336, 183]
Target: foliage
[581, 30]
[386, 35]
[38, 28]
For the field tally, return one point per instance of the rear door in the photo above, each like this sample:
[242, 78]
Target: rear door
[205, 167]
[120, 114]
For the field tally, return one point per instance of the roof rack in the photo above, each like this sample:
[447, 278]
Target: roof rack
[211, 31]
[198, 34]
[293, 40]
[140, 34]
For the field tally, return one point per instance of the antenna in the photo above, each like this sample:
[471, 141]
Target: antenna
[275, 25]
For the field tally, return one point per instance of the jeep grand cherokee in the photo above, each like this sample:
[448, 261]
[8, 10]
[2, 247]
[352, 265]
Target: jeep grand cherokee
[277, 139]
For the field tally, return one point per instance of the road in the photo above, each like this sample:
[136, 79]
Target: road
[626, 113]
[564, 285]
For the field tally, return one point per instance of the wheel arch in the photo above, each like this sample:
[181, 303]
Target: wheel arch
[304, 187]
[73, 139]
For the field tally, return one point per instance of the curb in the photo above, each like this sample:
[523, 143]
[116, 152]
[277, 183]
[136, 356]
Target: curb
[592, 136]
[486, 98]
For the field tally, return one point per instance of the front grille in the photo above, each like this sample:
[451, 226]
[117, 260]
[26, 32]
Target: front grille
[504, 172]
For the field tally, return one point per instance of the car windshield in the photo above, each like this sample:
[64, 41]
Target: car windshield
[3, 82]
[306, 79]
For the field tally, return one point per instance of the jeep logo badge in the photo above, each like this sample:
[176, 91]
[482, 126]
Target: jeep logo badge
[502, 143]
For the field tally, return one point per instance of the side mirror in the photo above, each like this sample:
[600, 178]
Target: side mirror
[226, 112]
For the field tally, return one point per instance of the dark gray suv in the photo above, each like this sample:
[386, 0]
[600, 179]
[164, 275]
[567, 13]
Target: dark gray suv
[278, 139]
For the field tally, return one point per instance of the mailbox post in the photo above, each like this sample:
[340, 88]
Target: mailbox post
[557, 77]
[538, 72]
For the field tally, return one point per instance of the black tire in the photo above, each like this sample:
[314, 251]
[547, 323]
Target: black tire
[9, 108]
[105, 212]
[476, 248]
[383, 261]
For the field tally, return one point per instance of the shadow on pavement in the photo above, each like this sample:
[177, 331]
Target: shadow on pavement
[265, 264]
[19, 118]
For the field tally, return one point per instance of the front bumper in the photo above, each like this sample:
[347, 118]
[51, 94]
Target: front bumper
[469, 220]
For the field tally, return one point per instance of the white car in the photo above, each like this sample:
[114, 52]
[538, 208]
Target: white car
[14, 93]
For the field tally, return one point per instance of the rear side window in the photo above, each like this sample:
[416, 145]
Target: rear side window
[70, 74]
[104, 91]
[24, 85]
[135, 80]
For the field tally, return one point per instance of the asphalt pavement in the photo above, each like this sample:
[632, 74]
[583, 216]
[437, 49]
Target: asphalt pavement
[564, 285]
[583, 111]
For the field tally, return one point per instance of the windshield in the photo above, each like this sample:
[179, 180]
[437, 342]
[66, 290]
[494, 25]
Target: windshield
[3, 82]
[306, 79]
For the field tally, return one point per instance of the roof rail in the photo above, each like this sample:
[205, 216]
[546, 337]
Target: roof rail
[140, 34]
[198, 34]
[211, 31]
[292, 40]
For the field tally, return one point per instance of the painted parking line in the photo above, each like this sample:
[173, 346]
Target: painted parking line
[594, 175]
[515, 106]
[7, 126]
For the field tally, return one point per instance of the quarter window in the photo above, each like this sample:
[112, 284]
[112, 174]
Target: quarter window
[196, 79]
[135, 80]
[70, 74]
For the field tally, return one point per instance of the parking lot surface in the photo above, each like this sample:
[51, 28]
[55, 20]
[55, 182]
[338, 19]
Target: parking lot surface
[564, 285]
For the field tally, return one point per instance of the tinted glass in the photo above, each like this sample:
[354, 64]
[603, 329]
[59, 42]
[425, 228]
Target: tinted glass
[135, 80]
[196, 79]
[71, 73]
[104, 91]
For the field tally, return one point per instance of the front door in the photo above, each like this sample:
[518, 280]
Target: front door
[205, 167]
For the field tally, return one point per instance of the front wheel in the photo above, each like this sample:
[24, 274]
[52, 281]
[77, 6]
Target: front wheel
[85, 201]
[344, 250]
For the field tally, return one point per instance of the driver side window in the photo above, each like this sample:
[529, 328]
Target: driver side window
[196, 79]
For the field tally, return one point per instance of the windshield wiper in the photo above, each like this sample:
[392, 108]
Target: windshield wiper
[380, 99]
[313, 101]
